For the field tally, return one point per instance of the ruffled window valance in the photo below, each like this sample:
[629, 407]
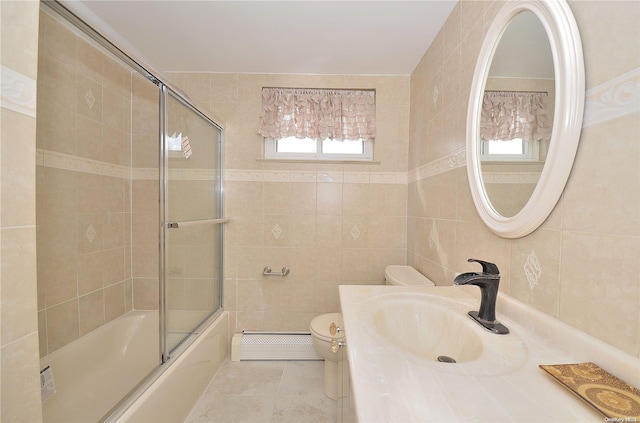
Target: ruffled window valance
[507, 115]
[318, 114]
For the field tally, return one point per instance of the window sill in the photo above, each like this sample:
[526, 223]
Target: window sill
[316, 161]
[512, 162]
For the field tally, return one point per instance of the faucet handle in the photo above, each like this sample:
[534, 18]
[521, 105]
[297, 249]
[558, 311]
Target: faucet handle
[487, 267]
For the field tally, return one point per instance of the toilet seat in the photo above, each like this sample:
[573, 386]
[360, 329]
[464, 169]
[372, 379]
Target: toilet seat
[320, 326]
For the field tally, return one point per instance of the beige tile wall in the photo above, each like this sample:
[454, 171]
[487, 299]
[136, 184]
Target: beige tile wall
[587, 247]
[145, 197]
[84, 216]
[192, 192]
[586, 243]
[331, 224]
[19, 369]
[97, 189]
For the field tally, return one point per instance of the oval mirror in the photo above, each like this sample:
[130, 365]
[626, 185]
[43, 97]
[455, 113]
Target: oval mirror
[525, 115]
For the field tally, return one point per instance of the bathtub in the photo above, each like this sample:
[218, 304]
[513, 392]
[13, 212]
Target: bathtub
[93, 373]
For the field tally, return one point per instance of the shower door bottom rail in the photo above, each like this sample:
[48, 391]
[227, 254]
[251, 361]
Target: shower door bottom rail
[187, 223]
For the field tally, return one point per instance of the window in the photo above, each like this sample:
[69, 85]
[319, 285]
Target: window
[312, 149]
[318, 123]
[511, 150]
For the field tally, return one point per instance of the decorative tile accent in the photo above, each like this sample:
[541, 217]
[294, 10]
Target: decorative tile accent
[299, 176]
[433, 239]
[277, 175]
[329, 176]
[618, 97]
[89, 98]
[382, 178]
[532, 269]
[18, 92]
[453, 160]
[192, 174]
[316, 176]
[85, 166]
[241, 175]
[145, 174]
[276, 231]
[90, 233]
[355, 232]
[63, 161]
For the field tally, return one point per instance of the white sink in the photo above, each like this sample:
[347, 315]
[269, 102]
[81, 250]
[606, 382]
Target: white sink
[395, 333]
[426, 327]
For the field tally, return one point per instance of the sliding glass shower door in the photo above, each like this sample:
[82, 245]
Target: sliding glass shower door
[192, 219]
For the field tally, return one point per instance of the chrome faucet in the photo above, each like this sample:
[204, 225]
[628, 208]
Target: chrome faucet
[488, 281]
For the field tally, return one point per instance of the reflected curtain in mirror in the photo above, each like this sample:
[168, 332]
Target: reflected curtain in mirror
[507, 115]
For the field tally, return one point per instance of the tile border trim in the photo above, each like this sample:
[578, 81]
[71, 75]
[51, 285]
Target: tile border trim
[56, 160]
[18, 92]
[615, 98]
[320, 176]
[451, 161]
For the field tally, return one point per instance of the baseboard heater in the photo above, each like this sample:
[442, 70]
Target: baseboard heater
[272, 346]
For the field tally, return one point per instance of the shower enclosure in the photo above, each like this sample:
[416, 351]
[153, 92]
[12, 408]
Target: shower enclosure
[129, 212]
[192, 212]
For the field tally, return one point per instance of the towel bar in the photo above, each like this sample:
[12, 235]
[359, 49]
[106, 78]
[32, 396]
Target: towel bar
[267, 272]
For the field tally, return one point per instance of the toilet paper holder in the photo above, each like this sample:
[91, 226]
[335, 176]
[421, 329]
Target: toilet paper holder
[335, 345]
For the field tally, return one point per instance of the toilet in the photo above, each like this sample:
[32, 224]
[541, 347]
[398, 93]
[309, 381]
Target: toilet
[336, 369]
[405, 276]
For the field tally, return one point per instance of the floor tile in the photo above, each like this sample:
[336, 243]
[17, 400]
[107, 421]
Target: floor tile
[265, 392]
[301, 409]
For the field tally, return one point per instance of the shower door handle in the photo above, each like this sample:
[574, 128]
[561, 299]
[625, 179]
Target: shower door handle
[186, 223]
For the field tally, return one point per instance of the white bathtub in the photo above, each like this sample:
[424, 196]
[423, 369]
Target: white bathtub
[93, 373]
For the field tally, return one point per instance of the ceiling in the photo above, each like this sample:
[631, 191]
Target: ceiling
[305, 37]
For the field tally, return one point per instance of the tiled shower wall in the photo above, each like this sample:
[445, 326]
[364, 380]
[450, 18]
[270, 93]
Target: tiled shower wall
[97, 189]
[19, 372]
[331, 224]
[587, 247]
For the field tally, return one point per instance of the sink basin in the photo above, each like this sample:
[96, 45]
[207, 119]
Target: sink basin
[427, 327]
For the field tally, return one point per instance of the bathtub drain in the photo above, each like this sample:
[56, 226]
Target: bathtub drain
[446, 359]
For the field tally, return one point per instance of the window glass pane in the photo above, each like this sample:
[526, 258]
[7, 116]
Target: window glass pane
[514, 146]
[296, 145]
[342, 147]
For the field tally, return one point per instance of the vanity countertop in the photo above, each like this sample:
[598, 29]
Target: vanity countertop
[394, 386]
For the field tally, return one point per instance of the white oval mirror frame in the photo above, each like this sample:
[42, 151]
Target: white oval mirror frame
[566, 46]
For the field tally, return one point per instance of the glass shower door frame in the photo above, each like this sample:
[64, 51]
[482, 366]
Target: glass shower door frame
[165, 348]
[164, 87]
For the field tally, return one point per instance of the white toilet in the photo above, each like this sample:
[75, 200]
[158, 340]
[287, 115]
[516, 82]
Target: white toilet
[405, 276]
[336, 369]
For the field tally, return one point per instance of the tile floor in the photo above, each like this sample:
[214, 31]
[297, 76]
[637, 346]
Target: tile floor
[265, 392]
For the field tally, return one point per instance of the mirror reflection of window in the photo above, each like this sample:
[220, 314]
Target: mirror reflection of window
[515, 149]
[517, 114]
[513, 197]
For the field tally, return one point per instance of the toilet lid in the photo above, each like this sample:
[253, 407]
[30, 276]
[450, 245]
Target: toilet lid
[320, 325]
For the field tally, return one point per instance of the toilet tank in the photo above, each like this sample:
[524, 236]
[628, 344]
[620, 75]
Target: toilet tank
[405, 275]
